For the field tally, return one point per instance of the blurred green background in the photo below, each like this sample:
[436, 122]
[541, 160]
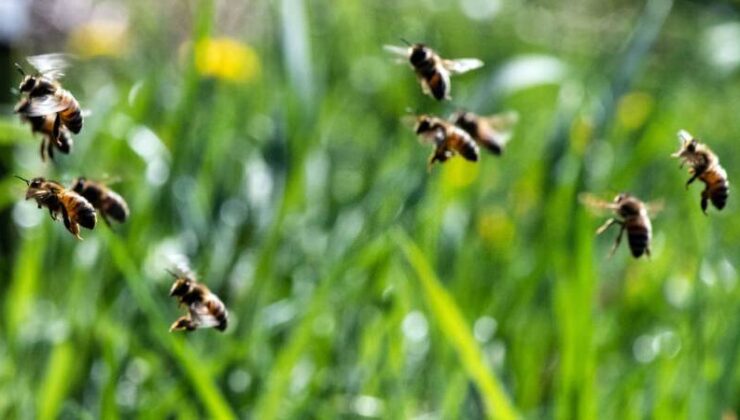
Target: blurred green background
[263, 143]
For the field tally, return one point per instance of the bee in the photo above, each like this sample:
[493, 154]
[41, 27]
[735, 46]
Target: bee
[432, 70]
[106, 201]
[490, 132]
[50, 109]
[447, 138]
[205, 309]
[704, 164]
[632, 216]
[75, 210]
[55, 135]
[45, 93]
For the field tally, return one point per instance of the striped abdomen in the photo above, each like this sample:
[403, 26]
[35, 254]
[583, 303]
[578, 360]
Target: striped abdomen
[115, 206]
[71, 115]
[80, 211]
[638, 235]
[460, 142]
[717, 187]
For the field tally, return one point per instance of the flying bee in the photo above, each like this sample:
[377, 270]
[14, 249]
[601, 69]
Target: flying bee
[447, 139]
[75, 210]
[205, 309]
[491, 132]
[432, 70]
[704, 164]
[45, 96]
[632, 216]
[106, 201]
[54, 134]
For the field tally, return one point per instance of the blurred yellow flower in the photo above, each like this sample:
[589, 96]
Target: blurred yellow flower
[496, 228]
[459, 173]
[99, 38]
[226, 59]
[634, 109]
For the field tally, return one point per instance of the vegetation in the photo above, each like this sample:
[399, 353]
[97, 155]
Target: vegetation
[263, 142]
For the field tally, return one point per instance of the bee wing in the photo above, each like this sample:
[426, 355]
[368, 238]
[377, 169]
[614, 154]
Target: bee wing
[655, 207]
[202, 314]
[684, 136]
[503, 125]
[462, 65]
[398, 51]
[503, 122]
[44, 105]
[50, 65]
[595, 203]
[409, 120]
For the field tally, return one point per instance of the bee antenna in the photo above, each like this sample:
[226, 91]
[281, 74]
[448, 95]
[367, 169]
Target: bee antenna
[23, 179]
[405, 42]
[175, 275]
[20, 69]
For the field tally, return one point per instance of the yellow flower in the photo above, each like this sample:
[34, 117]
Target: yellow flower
[226, 59]
[459, 173]
[99, 39]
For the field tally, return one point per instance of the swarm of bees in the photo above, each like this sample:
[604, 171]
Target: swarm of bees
[55, 113]
[205, 309]
[75, 210]
[464, 132]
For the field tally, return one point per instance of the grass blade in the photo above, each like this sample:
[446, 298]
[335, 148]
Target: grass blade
[453, 326]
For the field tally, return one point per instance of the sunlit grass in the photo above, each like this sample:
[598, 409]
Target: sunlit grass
[265, 144]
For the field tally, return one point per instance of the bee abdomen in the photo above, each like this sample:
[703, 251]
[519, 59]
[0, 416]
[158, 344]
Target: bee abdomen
[117, 210]
[85, 214]
[223, 321]
[638, 236]
[71, 116]
[492, 144]
[719, 192]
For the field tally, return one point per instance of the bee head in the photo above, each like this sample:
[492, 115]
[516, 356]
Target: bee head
[691, 147]
[423, 124]
[27, 84]
[35, 186]
[419, 54]
[78, 184]
[181, 287]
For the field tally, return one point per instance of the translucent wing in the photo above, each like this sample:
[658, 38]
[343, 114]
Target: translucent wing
[396, 50]
[202, 314]
[409, 120]
[655, 207]
[504, 122]
[684, 136]
[462, 65]
[50, 65]
[595, 203]
[44, 105]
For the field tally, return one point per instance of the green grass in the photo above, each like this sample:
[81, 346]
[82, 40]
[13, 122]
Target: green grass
[359, 284]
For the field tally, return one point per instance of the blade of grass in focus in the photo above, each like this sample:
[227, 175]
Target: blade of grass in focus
[445, 311]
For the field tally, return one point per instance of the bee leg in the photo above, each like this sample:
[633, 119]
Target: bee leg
[55, 130]
[606, 225]
[72, 227]
[704, 201]
[617, 241]
[105, 218]
[692, 179]
[52, 214]
[50, 149]
[43, 149]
